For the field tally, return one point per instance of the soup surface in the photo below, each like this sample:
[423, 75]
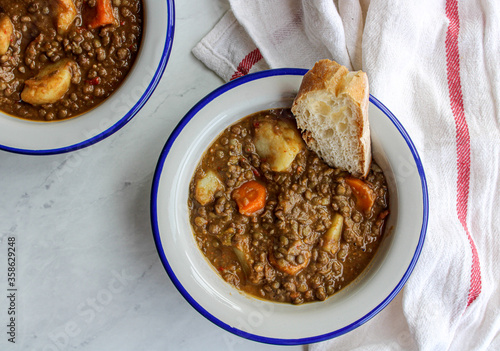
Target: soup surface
[60, 58]
[276, 221]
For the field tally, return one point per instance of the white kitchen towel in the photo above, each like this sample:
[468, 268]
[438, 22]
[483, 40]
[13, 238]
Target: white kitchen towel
[227, 57]
[435, 65]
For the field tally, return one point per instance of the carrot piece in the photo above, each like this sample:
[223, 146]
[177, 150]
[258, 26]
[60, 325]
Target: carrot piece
[104, 14]
[365, 197]
[285, 266]
[250, 197]
[383, 214]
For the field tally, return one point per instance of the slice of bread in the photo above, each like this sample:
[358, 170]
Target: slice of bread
[331, 109]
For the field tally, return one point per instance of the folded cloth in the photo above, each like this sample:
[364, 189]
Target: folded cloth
[229, 51]
[434, 64]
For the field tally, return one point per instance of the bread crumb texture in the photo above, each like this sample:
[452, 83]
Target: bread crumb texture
[331, 109]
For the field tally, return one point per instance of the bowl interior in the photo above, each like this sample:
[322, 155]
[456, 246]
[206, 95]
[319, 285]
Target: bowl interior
[24, 136]
[262, 320]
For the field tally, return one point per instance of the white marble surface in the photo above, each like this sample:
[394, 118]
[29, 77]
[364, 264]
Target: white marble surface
[88, 274]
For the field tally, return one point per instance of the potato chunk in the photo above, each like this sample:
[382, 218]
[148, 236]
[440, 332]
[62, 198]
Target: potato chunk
[6, 31]
[331, 239]
[51, 83]
[278, 142]
[206, 188]
[66, 13]
[241, 250]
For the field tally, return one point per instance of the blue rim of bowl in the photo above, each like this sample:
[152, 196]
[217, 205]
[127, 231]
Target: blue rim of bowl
[135, 109]
[156, 233]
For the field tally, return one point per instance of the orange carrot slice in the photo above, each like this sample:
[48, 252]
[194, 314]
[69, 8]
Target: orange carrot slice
[365, 197]
[250, 197]
[288, 268]
[104, 14]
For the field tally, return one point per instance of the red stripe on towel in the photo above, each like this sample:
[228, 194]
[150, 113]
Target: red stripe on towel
[462, 139]
[247, 63]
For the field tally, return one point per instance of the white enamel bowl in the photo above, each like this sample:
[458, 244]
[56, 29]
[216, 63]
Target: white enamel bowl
[267, 321]
[41, 138]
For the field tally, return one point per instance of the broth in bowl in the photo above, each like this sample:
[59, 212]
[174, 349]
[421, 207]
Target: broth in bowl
[277, 222]
[61, 58]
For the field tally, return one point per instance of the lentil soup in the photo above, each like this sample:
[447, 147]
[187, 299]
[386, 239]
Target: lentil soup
[277, 222]
[61, 58]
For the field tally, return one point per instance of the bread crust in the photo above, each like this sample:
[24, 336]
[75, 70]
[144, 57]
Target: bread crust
[335, 79]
